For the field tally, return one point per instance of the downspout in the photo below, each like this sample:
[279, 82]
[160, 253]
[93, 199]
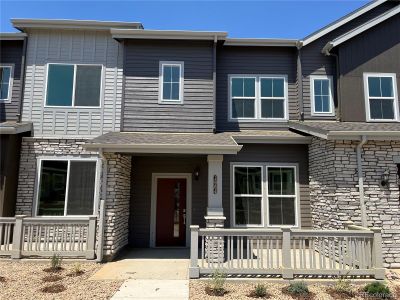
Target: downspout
[214, 83]
[300, 81]
[99, 256]
[328, 52]
[361, 181]
[22, 79]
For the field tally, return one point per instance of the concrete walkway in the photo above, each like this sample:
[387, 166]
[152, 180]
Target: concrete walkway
[149, 274]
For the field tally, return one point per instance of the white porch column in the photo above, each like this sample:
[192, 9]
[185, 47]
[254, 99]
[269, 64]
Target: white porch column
[215, 214]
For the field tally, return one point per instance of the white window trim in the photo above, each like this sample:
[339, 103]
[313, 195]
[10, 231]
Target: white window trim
[181, 66]
[264, 201]
[68, 159]
[257, 110]
[73, 86]
[395, 97]
[331, 112]
[10, 82]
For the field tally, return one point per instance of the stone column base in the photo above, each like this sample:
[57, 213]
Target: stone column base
[214, 245]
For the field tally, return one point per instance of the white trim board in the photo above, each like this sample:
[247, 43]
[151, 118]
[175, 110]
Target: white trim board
[10, 82]
[153, 211]
[331, 113]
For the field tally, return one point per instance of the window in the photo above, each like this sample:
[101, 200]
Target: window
[248, 195]
[381, 97]
[171, 82]
[259, 98]
[66, 187]
[322, 96]
[269, 185]
[5, 82]
[73, 85]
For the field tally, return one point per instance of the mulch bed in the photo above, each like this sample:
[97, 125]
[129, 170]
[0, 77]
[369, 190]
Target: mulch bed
[76, 274]
[309, 296]
[53, 289]
[53, 270]
[338, 295]
[51, 278]
[254, 295]
[2, 279]
[211, 292]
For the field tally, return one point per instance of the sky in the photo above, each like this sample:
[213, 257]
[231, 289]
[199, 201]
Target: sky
[251, 19]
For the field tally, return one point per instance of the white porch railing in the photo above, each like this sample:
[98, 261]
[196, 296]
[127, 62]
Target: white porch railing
[69, 237]
[287, 252]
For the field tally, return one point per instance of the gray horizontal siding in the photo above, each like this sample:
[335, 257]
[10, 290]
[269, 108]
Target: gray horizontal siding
[11, 53]
[142, 112]
[272, 154]
[316, 63]
[65, 46]
[253, 60]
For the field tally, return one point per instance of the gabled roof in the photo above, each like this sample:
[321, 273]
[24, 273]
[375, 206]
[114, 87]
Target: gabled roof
[23, 24]
[12, 36]
[356, 31]
[167, 34]
[347, 18]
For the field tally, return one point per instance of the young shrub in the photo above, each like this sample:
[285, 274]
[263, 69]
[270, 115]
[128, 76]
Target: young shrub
[55, 263]
[77, 269]
[216, 286]
[299, 288]
[260, 291]
[378, 290]
[342, 289]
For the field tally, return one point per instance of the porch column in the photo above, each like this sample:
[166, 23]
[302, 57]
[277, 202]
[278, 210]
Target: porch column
[215, 214]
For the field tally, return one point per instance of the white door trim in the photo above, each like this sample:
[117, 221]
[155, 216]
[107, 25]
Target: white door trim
[153, 214]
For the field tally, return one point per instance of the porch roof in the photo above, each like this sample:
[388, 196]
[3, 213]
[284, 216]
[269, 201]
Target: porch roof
[150, 142]
[15, 127]
[332, 130]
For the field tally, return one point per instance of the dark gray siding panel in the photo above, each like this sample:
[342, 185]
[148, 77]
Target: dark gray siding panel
[142, 169]
[275, 154]
[316, 63]
[253, 60]
[142, 112]
[11, 53]
[376, 50]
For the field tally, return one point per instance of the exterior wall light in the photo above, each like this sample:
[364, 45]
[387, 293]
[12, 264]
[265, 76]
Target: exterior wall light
[196, 173]
[385, 179]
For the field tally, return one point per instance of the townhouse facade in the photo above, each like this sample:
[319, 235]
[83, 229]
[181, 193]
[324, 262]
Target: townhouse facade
[151, 131]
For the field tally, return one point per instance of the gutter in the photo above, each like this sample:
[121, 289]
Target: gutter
[99, 256]
[338, 90]
[364, 139]
[215, 83]
[22, 78]
[299, 45]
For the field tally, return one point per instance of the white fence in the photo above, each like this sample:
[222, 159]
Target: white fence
[287, 252]
[44, 236]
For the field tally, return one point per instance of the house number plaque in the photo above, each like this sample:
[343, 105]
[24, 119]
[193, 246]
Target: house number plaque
[215, 189]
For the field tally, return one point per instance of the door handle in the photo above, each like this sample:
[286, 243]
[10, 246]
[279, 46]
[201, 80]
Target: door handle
[184, 216]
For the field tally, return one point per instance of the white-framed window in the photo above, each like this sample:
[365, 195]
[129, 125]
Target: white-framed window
[171, 82]
[265, 195]
[66, 186]
[322, 96]
[381, 100]
[258, 97]
[74, 85]
[6, 82]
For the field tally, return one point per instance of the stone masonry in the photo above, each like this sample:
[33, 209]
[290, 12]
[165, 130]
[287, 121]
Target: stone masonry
[334, 189]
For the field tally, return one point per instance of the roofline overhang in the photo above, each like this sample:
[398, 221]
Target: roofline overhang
[120, 34]
[15, 129]
[23, 24]
[164, 149]
[12, 36]
[261, 42]
[254, 139]
[332, 26]
[360, 29]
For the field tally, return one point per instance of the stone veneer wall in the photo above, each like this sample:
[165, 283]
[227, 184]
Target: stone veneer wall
[334, 189]
[116, 226]
[31, 149]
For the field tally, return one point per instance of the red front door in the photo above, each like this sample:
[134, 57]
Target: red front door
[171, 212]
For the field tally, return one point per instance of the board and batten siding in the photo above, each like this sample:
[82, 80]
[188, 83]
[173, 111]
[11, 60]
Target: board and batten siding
[258, 61]
[316, 63]
[11, 54]
[75, 47]
[142, 110]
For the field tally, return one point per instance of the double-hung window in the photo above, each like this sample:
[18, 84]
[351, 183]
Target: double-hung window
[264, 185]
[321, 96]
[258, 97]
[73, 85]
[6, 74]
[66, 187]
[171, 82]
[381, 97]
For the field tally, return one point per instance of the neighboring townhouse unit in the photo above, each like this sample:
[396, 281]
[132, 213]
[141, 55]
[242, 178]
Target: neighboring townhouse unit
[12, 53]
[139, 134]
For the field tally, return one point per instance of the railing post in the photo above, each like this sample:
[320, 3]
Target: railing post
[377, 251]
[18, 234]
[194, 271]
[347, 224]
[91, 238]
[287, 270]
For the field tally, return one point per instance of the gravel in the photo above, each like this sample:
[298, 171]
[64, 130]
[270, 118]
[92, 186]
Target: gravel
[25, 280]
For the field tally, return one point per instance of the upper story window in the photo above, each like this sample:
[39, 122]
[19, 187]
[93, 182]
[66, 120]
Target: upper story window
[73, 85]
[322, 96]
[171, 82]
[6, 74]
[258, 97]
[381, 97]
